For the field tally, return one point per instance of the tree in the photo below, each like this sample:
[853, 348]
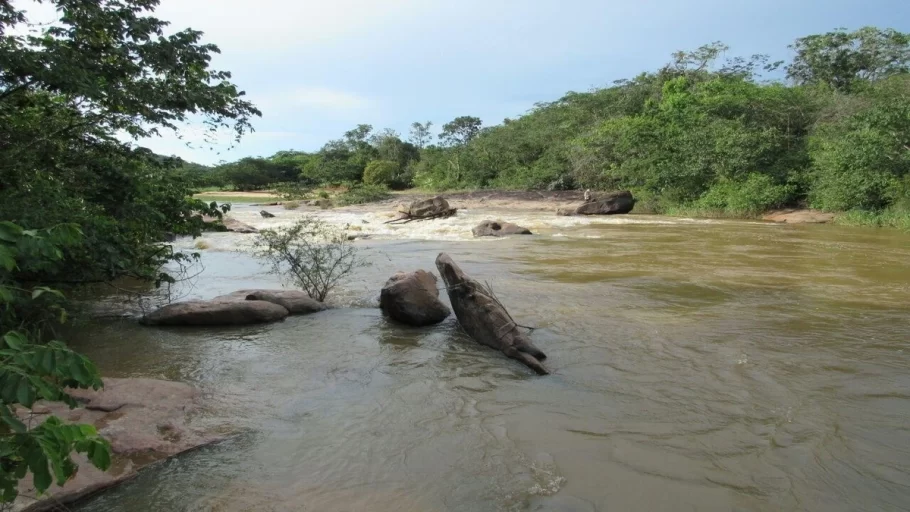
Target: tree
[67, 95]
[381, 172]
[460, 130]
[842, 59]
[311, 253]
[420, 134]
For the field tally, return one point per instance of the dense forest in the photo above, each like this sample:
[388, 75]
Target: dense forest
[831, 130]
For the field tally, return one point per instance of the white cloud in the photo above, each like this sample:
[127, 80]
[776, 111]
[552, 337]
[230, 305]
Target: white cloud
[279, 25]
[328, 99]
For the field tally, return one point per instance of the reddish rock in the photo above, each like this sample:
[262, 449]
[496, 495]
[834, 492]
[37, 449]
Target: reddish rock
[794, 216]
[145, 420]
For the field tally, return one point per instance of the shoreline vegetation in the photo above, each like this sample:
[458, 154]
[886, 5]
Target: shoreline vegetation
[543, 200]
[704, 135]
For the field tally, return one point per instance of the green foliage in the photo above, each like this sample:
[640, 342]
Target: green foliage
[362, 194]
[311, 253]
[845, 60]
[862, 160]
[31, 370]
[381, 172]
[757, 194]
[460, 130]
[78, 204]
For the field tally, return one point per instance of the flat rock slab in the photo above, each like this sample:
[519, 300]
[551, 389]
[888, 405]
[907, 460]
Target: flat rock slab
[412, 298]
[499, 228]
[144, 419]
[217, 312]
[794, 216]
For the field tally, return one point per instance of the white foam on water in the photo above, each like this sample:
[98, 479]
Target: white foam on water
[372, 224]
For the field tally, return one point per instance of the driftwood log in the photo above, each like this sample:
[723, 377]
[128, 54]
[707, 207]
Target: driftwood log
[485, 319]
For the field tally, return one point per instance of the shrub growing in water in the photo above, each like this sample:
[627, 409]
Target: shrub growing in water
[311, 253]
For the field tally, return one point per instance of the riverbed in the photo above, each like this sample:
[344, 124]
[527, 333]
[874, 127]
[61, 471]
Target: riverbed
[696, 365]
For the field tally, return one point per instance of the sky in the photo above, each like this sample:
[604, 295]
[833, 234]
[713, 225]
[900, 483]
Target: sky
[317, 68]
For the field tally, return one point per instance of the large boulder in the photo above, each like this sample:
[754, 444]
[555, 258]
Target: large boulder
[428, 208]
[217, 312]
[145, 420]
[613, 203]
[485, 319]
[265, 214]
[413, 299]
[499, 228]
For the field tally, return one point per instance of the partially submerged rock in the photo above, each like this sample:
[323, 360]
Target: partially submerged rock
[217, 312]
[794, 216]
[499, 228]
[238, 308]
[614, 203]
[146, 420]
[228, 224]
[433, 208]
[266, 214]
[485, 319]
[413, 299]
[295, 301]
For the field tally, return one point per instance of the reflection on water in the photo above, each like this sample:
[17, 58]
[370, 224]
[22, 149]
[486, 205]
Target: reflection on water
[696, 366]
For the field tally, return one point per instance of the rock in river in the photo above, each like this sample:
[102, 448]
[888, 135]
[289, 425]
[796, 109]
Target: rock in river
[145, 420]
[485, 319]
[499, 228]
[793, 216]
[217, 312]
[295, 301]
[427, 209]
[413, 299]
[266, 214]
[228, 224]
[611, 204]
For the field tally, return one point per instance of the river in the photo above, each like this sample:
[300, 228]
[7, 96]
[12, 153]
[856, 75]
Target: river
[696, 365]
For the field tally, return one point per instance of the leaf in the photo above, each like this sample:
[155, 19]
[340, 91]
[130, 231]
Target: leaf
[15, 340]
[37, 462]
[7, 258]
[6, 295]
[10, 387]
[25, 394]
[11, 420]
[10, 232]
[101, 456]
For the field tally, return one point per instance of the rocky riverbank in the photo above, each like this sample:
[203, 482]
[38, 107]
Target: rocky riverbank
[145, 420]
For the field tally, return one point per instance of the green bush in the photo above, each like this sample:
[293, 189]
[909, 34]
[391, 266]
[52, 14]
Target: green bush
[381, 172]
[862, 161]
[361, 194]
[757, 194]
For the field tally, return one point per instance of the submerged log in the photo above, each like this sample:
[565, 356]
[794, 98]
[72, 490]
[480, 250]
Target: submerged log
[485, 319]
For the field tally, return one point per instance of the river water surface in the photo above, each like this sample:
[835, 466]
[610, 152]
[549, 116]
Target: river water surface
[696, 365]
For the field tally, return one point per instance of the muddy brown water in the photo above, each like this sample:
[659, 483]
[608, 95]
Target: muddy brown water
[697, 365]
